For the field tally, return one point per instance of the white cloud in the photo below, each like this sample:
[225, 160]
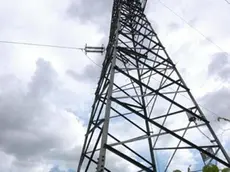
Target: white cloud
[39, 127]
[32, 128]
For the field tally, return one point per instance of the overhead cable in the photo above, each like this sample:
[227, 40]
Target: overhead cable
[40, 45]
[49, 46]
[191, 26]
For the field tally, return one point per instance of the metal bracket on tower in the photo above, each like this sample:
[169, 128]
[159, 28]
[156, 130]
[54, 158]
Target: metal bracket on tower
[91, 49]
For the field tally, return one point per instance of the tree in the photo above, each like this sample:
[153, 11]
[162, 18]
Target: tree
[226, 170]
[210, 168]
[176, 171]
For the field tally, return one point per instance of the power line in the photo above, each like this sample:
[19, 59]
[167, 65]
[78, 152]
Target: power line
[49, 46]
[203, 132]
[82, 49]
[211, 112]
[227, 1]
[40, 45]
[202, 36]
[93, 61]
[225, 130]
[222, 118]
[225, 53]
[190, 99]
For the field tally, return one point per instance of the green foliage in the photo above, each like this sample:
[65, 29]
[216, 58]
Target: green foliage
[210, 168]
[226, 170]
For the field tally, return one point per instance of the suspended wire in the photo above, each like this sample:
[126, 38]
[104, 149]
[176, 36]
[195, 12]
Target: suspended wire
[225, 119]
[92, 61]
[191, 26]
[225, 130]
[225, 53]
[221, 134]
[82, 49]
[40, 45]
[49, 46]
[190, 99]
[203, 132]
[227, 1]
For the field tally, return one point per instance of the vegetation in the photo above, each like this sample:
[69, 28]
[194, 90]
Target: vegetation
[226, 170]
[210, 168]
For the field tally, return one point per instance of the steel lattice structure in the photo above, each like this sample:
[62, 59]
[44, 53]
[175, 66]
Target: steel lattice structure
[142, 105]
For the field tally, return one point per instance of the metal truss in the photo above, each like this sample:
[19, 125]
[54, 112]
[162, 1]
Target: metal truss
[142, 106]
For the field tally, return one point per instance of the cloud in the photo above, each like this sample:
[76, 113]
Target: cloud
[216, 105]
[57, 169]
[43, 81]
[89, 11]
[37, 131]
[33, 129]
[220, 66]
[174, 26]
[188, 159]
[90, 73]
[217, 101]
[96, 11]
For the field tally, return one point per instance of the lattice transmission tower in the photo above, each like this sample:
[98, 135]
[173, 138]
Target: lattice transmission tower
[144, 117]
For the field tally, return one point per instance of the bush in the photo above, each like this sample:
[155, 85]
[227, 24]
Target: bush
[180, 171]
[226, 170]
[210, 168]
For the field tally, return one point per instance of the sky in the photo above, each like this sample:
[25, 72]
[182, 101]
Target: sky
[46, 93]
